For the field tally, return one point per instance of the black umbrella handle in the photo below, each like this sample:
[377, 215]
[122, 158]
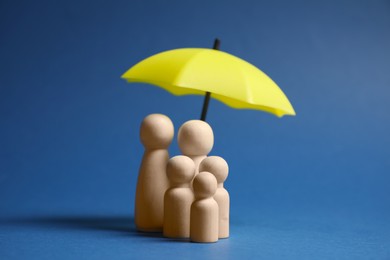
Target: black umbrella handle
[205, 106]
[217, 44]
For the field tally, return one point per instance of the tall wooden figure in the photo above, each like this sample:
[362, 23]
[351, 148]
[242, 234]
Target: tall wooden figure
[179, 197]
[156, 135]
[195, 139]
[220, 169]
[204, 210]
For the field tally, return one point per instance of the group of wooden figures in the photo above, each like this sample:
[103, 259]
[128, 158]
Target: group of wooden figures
[182, 196]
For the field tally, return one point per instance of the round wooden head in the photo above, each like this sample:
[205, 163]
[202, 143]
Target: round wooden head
[205, 185]
[156, 131]
[215, 165]
[195, 138]
[180, 169]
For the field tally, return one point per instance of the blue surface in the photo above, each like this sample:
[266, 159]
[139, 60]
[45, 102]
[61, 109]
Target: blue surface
[314, 186]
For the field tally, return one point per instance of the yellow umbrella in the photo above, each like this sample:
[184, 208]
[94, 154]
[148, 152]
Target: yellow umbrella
[230, 79]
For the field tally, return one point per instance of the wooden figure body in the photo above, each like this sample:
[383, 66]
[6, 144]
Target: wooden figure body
[204, 210]
[156, 135]
[195, 139]
[179, 197]
[220, 169]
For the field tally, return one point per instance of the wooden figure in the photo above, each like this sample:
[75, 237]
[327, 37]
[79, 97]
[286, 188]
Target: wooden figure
[156, 135]
[220, 169]
[179, 197]
[204, 210]
[195, 139]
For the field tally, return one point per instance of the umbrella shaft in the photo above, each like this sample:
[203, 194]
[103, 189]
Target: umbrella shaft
[217, 44]
[205, 106]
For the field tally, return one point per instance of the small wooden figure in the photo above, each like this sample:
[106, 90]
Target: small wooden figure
[195, 139]
[156, 135]
[204, 210]
[179, 197]
[220, 169]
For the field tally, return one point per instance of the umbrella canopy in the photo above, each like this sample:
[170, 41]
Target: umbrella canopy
[230, 79]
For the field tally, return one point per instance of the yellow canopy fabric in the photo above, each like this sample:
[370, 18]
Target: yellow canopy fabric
[230, 79]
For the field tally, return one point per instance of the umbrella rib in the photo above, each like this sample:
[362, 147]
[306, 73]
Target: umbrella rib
[248, 92]
[181, 72]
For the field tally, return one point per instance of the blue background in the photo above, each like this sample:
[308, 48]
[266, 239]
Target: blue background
[314, 186]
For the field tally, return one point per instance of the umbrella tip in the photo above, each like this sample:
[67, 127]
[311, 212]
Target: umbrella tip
[217, 44]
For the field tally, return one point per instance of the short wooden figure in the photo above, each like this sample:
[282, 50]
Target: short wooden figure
[220, 169]
[179, 197]
[156, 135]
[204, 210]
[195, 139]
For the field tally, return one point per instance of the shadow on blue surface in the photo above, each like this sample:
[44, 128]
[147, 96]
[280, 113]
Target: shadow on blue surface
[114, 224]
[102, 223]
